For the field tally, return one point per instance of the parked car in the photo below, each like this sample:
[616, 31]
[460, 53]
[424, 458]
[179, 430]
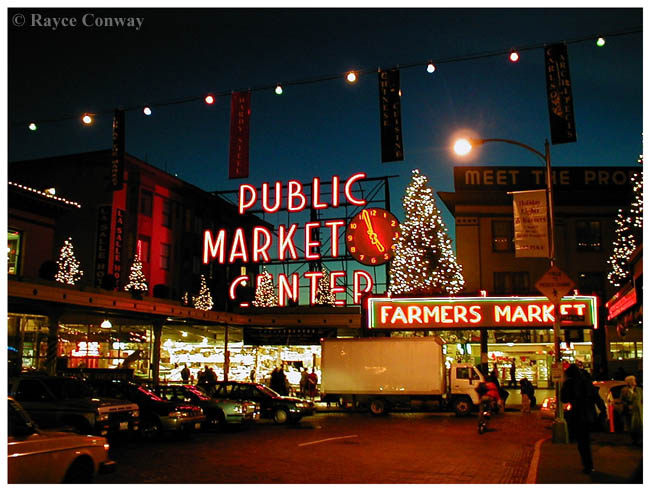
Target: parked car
[610, 393]
[36, 456]
[64, 401]
[157, 415]
[281, 409]
[218, 412]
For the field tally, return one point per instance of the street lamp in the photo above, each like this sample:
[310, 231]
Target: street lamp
[463, 146]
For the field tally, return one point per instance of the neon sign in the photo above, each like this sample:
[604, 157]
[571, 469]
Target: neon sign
[227, 249]
[478, 312]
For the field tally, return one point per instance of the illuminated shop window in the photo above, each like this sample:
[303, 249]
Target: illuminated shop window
[165, 254]
[502, 236]
[146, 203]
[13, 251]
[626, 350]
[588, 236]
[511, 282]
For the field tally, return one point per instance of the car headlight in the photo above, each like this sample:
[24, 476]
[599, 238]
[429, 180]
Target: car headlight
[102, 417]
[302, 404]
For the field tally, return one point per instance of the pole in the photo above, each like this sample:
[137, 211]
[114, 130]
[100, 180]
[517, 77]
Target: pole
[559, 423]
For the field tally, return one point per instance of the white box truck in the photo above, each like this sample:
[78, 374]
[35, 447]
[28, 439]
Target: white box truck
[394, 373]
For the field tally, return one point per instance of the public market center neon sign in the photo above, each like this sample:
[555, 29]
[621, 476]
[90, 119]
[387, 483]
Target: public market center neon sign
[478, 312]
[229, 250]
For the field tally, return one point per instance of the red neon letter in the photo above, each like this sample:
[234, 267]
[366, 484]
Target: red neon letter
[315, 194]
[335, 225]
[261, 250]
[309, 244]
[335, 288]
[243, 204]
[295, 191]
[335, 191]
[357, 291]
[313, 276]
[348, 189]
[210, 249]
[236, 282]
[238, 249]
[265, 197]
[285, 290]
[286, 241]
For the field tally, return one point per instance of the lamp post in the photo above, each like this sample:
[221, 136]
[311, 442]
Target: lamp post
[462, 147]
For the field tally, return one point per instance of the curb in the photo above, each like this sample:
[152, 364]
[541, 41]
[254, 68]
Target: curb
[534, 463]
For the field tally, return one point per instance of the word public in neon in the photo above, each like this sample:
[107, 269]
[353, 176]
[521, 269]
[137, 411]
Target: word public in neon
[478, 312]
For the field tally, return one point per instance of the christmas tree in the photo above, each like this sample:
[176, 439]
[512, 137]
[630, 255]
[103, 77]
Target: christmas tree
[203, 301]
[264, 293]
[324, 294]
[137, 281]
[424, 262]
[629, 233]
[69, 272]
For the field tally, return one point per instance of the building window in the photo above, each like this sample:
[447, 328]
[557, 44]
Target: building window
[589, 283]
[511, 282]
[165, 254]
[627, 350]
[13, 251]
[144, 245]
[146, 203]
[588, 236]
[502, 236]
[167, 213]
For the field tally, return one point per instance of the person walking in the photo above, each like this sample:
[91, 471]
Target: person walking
[304, 382]
[313, 383]
[513, 370]
[578, 391]
[632, 398]
[185, 374]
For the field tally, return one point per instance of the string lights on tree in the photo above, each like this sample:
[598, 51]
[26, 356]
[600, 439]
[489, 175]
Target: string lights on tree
[265, 295]
[629, 233]
[68, 272]
[324, 293]
[137, 280]
[203, 301]
[424, 262]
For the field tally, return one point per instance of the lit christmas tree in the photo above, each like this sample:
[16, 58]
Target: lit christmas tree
[424, 262]
[324, 294]
[265, 293]
[137, 281]
[203, 301]
[69, 272]
[629, 233]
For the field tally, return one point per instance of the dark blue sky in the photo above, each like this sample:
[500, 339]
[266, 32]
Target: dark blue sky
[329, 127]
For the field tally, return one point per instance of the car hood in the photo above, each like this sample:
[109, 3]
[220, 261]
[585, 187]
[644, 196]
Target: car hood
[295, 399]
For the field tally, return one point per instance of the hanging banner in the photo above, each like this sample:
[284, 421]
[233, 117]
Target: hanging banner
[117, 246]
[531, 223]
[558, 90]
[390, 116]
[240, 112]
[117, 153]
[102, 243]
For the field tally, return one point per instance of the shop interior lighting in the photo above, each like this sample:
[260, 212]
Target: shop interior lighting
[106, 324]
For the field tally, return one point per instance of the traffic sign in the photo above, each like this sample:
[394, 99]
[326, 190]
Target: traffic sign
[555, 284]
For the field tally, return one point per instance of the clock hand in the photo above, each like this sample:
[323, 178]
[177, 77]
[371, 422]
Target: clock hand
[371, 233]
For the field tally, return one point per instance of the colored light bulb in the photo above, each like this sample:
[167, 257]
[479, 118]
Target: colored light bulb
[351, 77]
[32, 126]
[431, 68]
[514, 56]
[147, 111]
[209, 99]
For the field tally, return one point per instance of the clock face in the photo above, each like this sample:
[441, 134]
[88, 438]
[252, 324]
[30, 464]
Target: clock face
[371, 236]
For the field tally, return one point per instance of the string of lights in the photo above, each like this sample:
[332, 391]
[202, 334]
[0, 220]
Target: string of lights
[352, 76]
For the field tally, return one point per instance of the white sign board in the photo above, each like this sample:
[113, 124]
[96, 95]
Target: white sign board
[531, 223]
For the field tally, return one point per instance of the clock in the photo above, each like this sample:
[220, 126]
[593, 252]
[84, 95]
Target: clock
[371, 236]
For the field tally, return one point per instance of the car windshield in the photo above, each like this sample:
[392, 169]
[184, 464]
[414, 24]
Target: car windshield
[149, 394]
[198, 392]
[66, 388]
[267, 390]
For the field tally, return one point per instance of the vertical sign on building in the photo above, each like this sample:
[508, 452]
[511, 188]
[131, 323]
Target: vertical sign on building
[558, 91]
[117, 154]
[102, 243]
[390, 116]
[531, 223]
[240, 112]
[117, 245]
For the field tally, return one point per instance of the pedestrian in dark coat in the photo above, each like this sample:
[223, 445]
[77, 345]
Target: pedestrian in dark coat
[578, 391]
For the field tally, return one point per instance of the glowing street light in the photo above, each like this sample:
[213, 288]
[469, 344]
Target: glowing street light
[463, 146]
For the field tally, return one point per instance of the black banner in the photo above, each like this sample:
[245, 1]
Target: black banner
[558, 90]
[287, 336]
[240, 113]
[117, 246]
[390, 116]
[102, 243]
[117, 154]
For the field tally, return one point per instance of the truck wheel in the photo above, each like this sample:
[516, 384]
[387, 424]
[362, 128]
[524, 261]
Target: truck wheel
[462, 406]
[280, 415]
[377, 407]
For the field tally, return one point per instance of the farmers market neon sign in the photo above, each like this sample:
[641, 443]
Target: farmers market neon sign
[228, 250]
[478, 312]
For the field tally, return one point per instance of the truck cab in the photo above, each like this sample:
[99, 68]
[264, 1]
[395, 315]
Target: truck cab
[463, 381]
